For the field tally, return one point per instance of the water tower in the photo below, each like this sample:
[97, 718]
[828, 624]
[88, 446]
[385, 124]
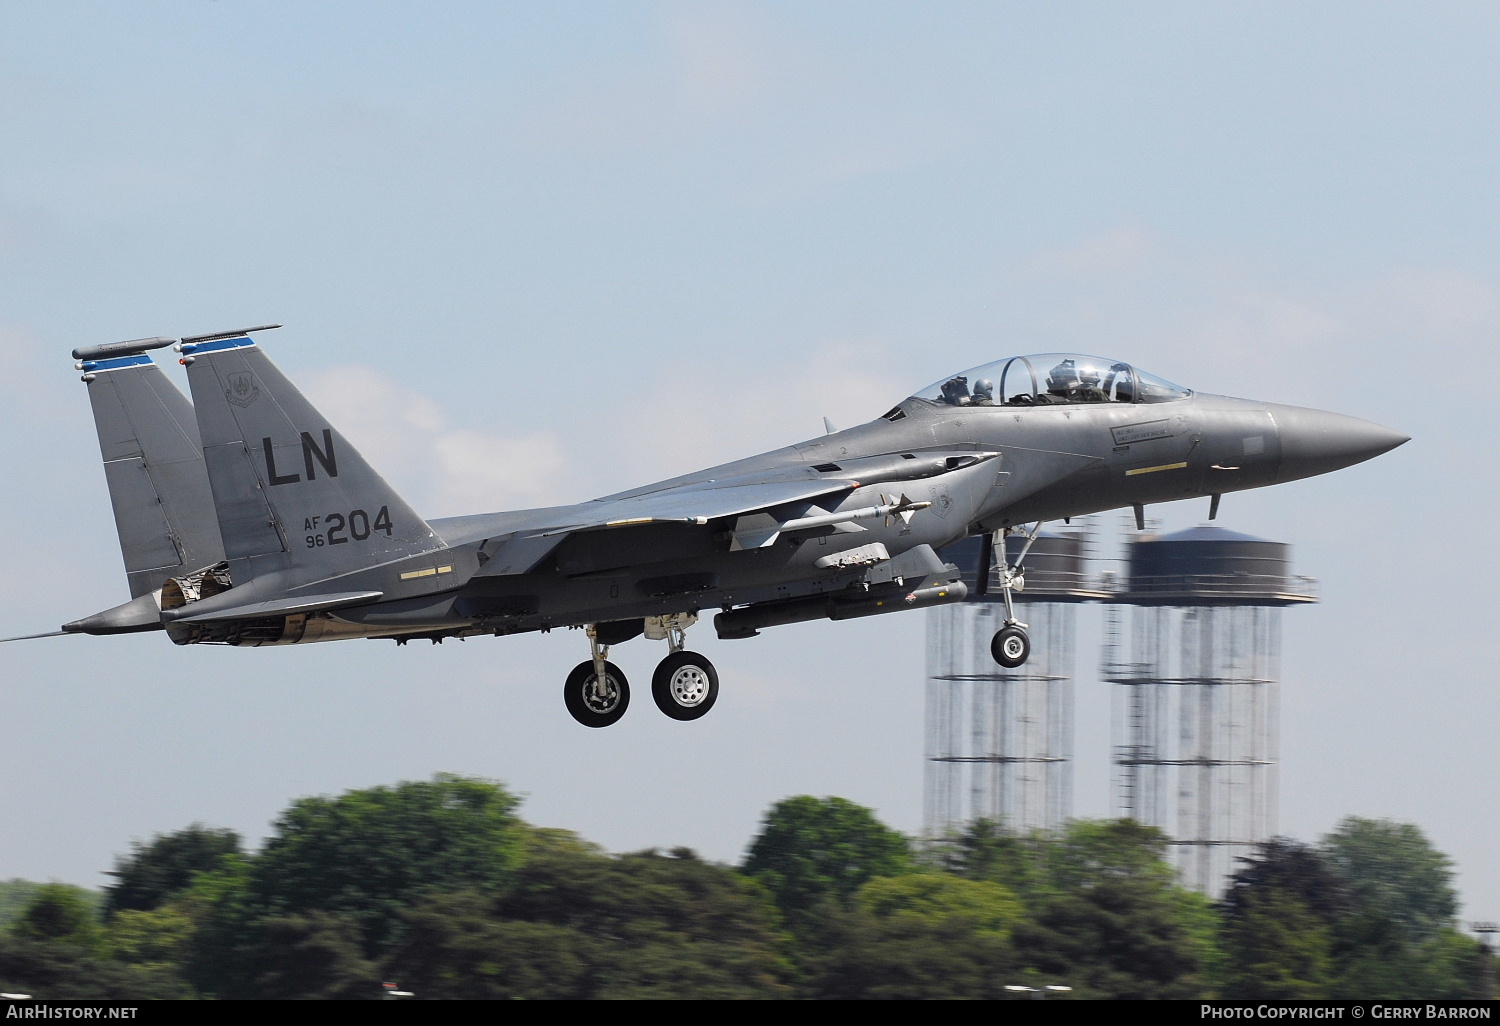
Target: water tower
[1195, 704]
[999, 743]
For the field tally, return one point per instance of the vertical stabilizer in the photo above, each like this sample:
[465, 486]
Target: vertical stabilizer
[148, 436]
[291, 493]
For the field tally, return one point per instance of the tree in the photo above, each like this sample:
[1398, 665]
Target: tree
[1378, 959]
[56, 949]
[987, 908]
[369, 854]
[1394, 871]
[15, 895]
[1334, 921]
[160, 937]
[1091, 852]
[657, 925]
[61, 913]
[1402, 943]
[225, 921]
[1278, 947]
[64, 972]
[1294, 868]
[1109, 920]
[1282, 912]
[919, 935]
[582, 924]
[153, 872]
[852, 953]
[312, 955]
[985, 850]
[461, 946]
[810, 849]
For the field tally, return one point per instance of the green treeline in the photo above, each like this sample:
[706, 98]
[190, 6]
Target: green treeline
[440, 888]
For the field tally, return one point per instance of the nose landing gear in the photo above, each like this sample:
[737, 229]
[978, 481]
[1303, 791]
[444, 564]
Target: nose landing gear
[1011, 646]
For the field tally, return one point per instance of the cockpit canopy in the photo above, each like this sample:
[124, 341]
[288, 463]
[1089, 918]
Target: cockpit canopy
[1051, 379]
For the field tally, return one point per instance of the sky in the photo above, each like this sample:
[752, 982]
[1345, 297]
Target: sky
[534, 253]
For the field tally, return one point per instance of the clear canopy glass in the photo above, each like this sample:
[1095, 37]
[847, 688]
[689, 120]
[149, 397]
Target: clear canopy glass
[1052, 379]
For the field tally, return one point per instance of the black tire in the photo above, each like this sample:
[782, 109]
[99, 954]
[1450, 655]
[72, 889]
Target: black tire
[685, 685]
[1010, 646]
[588, 708]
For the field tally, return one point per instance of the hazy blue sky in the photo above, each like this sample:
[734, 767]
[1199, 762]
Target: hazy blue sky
[532, 253]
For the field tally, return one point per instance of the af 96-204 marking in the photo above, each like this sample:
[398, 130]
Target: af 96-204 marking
[345, 527]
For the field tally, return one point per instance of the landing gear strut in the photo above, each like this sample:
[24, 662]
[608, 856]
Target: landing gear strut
[685, 684]
[596, 692]
[1011, 646]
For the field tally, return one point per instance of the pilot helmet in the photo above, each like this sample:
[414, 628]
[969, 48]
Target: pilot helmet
[1063, 377]
[1089, 376]
[984, 388]
[955, 388]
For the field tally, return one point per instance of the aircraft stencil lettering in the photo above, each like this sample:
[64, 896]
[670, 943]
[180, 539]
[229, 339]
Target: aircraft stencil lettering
[356, 523]
[311, 451]
[824, 529]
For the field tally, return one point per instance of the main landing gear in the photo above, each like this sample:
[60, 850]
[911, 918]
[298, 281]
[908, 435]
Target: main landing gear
[1010, 646]
[684, 686]
[596, 692]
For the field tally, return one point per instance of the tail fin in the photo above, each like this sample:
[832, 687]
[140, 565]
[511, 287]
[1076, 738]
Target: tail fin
[148, 436]
[290, 492]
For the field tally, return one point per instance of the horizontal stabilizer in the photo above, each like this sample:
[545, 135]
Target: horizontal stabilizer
[33, 637]
[283, 607]
[139, 614]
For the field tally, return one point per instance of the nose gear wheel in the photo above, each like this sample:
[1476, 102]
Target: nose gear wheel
[685, 685]
[1010, 647]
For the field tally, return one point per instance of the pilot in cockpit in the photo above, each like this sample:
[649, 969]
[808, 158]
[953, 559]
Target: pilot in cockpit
[1070, 383]
[984, 393]
[956, 391]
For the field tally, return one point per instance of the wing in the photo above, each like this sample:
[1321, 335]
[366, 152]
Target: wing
[699, 505]
[521, 550]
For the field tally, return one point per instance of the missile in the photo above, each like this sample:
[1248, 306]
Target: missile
[891, 509]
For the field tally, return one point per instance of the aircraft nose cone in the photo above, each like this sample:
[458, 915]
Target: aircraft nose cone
[1315, 441]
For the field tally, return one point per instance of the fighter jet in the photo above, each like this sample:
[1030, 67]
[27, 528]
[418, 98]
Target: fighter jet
[245, 518]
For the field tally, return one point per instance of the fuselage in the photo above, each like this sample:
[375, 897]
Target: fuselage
[1024, 464]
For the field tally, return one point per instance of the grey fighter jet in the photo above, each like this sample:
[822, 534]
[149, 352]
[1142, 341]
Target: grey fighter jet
[245, 518]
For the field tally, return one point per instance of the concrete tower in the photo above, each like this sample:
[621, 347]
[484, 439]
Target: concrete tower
[1000, 742]
[1195, 706]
